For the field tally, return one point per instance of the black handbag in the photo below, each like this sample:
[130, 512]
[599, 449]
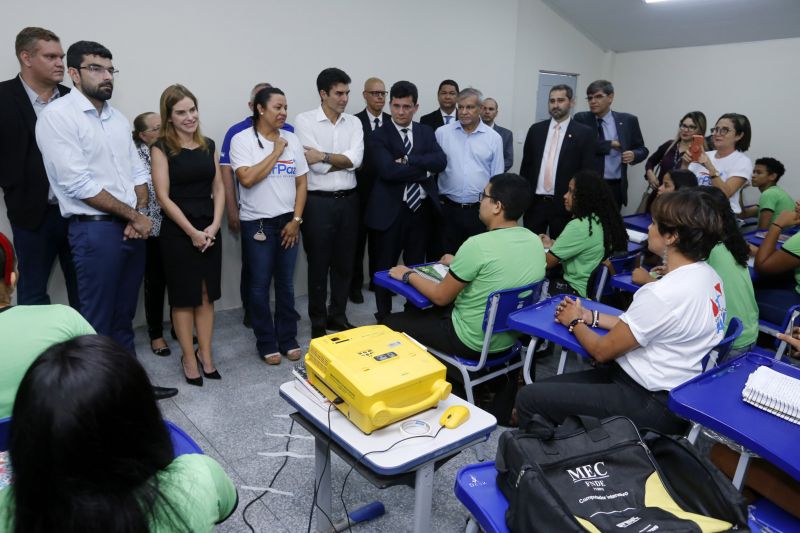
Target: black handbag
[593, 475]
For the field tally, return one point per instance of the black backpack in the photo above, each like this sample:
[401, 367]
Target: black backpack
[593, 475]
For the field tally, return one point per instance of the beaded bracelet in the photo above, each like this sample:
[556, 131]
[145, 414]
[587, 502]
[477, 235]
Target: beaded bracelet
[575, 323]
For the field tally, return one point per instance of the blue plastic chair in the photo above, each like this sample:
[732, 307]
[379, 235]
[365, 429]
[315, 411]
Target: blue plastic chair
[763, 516]
[181, 442]
[769, 328]
[476, 488]
[718, 354]
[498, 306]
[610, 267]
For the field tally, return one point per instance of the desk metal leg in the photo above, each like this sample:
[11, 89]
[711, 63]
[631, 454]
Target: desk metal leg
[562, 362]
[322, 460]
[423, 499]
[741, 470]
[526, 367]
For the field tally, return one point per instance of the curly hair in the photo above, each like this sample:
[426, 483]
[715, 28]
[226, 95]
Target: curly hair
[593, 198]
[731, 236]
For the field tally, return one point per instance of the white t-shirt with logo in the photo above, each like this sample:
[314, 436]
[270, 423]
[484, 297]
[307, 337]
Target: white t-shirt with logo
[676, 321]
[734, 164]
[274, 195]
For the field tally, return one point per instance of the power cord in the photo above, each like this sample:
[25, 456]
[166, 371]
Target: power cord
[272, 481]
[358, 461]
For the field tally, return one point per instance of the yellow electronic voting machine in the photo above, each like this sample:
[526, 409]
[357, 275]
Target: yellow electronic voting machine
[375, 376]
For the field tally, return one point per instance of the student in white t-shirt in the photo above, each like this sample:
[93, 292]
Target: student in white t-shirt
[271, 168]
[726, 168]
[654, 346]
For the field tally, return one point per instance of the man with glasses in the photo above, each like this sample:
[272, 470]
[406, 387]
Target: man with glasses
[474, 154]
[40, 232]
[372, 117]
[619, 141]
[101, 186]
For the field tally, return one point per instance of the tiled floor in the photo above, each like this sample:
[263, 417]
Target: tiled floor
[231, 420]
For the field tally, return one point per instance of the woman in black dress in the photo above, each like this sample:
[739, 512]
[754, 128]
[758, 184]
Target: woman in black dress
[188, 184]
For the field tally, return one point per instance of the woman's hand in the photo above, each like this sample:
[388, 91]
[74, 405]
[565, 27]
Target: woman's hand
[787, 219]
[570, 309]
[793, 339]
[290, 234]
[652, 179]
[640, 276]
[200, 240]
[397, 272]
[279, 145]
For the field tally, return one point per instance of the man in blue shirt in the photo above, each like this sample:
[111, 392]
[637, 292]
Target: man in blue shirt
[231, 189]
[474, 154]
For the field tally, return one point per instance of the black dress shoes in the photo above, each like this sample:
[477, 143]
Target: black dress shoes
[162, 393]
[356, 297]
[336, 325]
[317, 332]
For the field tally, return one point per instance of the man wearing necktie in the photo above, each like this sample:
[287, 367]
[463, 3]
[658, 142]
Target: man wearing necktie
[372, 117]
[619, 141]
[404, 198]
[554, 151]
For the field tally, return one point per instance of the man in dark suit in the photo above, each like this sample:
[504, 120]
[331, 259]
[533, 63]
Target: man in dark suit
[447, 94]
[489, 109]
[404, 197]
[372, 117]
[554, 151]
[619, 141]
[40, 232]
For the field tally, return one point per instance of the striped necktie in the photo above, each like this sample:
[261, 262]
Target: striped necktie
[413, 190]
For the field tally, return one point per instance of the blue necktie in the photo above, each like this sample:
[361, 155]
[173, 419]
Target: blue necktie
[413, 190]
[447, 119]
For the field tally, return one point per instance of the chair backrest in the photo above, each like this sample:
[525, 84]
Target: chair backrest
[789, 323]
[502, 303]
[721, 350]
[616, 264]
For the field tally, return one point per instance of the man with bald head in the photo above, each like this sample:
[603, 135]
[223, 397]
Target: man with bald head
[372, 118]
[489, 109]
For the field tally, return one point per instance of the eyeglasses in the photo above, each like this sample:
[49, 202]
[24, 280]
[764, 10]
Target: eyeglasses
[97, 69]
[722, 131]
[482, 195]
[377, 94]
[152, 130]
[688, 127]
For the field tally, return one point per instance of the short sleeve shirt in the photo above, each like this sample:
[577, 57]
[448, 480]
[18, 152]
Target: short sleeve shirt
[739, 295]
[776, 200]
[580, 249]
[500, 259]
[734, 164]
[792, 246]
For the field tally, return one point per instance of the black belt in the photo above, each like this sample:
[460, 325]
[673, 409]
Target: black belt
[448, 201]
[544, 197]
[98, 218]
[333, 194]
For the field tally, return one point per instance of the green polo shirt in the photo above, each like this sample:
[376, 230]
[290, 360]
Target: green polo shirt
[579, 251]
[792, 246]
[739, 296]
[776, 200]
[504, 258]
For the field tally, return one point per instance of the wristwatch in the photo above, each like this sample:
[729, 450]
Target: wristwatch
[299, 220]
[407, 275]
[326, 158]
[143, 211]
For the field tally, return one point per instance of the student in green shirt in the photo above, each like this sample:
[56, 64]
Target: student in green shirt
[773, 303]
[504, 257]
[594, 233]
[91, 452]
[774, 200]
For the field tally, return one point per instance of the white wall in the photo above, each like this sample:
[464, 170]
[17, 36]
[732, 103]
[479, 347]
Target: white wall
[221, 49]
[755, 79]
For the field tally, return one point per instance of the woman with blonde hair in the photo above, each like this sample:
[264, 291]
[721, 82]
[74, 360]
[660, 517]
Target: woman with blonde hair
[188, 185]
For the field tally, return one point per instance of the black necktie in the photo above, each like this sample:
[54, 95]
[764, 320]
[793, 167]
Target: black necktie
[377, 124]
[413, 190]
[600, 133]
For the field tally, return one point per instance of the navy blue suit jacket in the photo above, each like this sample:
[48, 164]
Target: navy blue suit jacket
[365, 175]
[630, 138]
[386, 146]
[22, 174]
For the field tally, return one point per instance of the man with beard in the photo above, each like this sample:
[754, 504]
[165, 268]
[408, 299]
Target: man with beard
[101, 186]
[554, 151]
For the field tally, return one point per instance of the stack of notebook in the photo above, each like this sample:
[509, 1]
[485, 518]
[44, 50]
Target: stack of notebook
[774, 392]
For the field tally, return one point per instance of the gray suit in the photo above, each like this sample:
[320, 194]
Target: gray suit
[508, 146]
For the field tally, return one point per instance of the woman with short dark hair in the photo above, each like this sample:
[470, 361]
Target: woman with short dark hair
[91, 452]
[658, 343]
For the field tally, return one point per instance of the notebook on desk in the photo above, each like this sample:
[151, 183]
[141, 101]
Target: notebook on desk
[434, 271]
[774, 392]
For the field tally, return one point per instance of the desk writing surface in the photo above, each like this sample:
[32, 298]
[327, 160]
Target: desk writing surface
[714, 400]
[538, 320]
[382, 279]
[757, 237]
[638, 222]
[405, 456]
[624, 282]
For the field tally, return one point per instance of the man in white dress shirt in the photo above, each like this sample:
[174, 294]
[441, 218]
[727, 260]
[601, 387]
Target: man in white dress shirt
[101, 186]
[334, 144]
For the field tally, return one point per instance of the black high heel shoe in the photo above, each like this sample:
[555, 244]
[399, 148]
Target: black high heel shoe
[210, 375]
[197, 382]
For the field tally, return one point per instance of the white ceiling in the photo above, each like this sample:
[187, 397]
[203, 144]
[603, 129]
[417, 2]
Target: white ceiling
[630, 25]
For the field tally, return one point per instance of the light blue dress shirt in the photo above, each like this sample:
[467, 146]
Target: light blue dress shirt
[472, 158]
[612, 167]
[85, 153]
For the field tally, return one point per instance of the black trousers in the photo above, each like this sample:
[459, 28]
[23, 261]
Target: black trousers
[546, 214]
[616, 191]
[601, 392]
[460, 223]
[155, 286]
[364, 243]
[408, 235]
[433, 328]
[330, 229]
